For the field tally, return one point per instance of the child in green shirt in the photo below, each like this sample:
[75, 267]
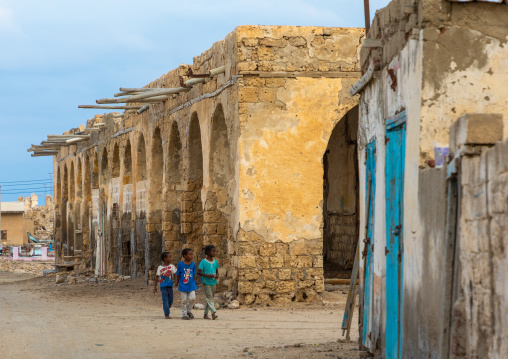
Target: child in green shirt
[209, 271]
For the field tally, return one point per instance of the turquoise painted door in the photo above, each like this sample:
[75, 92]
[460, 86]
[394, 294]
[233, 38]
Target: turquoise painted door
[395, 156]
[370, 191]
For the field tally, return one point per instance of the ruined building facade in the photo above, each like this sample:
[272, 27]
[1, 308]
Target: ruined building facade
[432, 194]
[259, 161]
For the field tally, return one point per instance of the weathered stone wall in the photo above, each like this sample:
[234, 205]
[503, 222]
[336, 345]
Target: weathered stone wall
[196, 169]
[480, 300]
[286, 120]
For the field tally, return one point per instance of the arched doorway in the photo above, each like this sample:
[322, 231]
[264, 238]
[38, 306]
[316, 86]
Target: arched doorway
[128, 244]
[141, 253]
[114, 218]
[174, 191]
[192, 207]
[218, 204]
[340, 198]
[155, 203]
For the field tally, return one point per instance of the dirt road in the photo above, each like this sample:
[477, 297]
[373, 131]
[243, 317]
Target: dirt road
[88, 320]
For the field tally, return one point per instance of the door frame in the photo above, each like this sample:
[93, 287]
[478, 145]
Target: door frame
[395, 140]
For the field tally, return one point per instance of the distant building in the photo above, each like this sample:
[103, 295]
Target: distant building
[15, 224]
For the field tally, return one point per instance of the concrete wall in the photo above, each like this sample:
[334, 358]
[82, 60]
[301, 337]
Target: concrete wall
[212, 165]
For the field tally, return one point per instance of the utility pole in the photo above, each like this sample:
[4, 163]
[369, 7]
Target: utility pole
[366, 9]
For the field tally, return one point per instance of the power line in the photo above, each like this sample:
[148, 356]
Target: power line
[28, 181]
[39, 189]
[27, 184]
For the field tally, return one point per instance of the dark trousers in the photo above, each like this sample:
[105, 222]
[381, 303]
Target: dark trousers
[167, 299]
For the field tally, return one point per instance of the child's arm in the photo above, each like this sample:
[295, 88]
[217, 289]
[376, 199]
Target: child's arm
[155, 285]
[200, 272]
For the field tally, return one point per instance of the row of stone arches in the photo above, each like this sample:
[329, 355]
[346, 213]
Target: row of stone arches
[121, 203]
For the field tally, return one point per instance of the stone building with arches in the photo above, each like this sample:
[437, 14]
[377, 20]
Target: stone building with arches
[259, 161]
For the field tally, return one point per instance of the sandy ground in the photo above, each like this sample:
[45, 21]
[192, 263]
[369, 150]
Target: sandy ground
[40, 319]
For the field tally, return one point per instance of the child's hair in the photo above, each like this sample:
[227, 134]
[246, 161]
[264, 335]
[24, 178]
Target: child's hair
[164, 255]
[208, 248]
[185, 251]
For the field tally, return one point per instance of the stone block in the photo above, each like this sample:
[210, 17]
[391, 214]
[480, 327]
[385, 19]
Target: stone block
[286, 286]
[245, 287]
[315, 273]
[250, 42]
[247, 262]
[317, 261]
[249, 94]
[275, 82]
[211, 216]
[270, 285]
[476, 129]
[259, 287]
[247, 248]
[264, 53]
[290, 262]
[221, 229]
[265, 66]
[267, 249]
[320, 286]
[269, 275]
[263, 298]
[298, 41]
[186, 228]
[209, 228]
[284, 274]
[282, 249]
[251, 275]
[253, 81]
[314, 246]
[298, 247]
[305, 284]
[246, 298]
[247, 66]
[277, 262]
[263, 262]
[270, 42]
[189, 217]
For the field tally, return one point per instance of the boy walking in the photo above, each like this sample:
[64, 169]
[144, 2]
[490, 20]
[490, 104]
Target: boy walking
[209, 271]
[185, 274]
[165, 277]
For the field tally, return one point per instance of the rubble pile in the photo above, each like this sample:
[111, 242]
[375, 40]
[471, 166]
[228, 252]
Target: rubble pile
[43, 219]
[21, 267]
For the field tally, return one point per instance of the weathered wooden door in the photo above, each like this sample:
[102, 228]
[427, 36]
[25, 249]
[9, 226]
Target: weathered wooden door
[395, 156]
[370, 192]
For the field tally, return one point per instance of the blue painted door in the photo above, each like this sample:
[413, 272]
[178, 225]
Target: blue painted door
[395, 156]
[370, 191]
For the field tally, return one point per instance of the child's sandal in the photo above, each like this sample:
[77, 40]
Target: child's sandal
[206, 316]
[214, 316]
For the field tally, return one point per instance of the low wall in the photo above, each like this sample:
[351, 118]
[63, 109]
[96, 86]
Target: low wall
[22, 267]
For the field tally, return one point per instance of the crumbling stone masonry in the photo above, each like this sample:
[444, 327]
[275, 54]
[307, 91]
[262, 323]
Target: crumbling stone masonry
[236, 162]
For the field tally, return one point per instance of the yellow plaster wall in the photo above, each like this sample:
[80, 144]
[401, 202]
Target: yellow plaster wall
[281, 152]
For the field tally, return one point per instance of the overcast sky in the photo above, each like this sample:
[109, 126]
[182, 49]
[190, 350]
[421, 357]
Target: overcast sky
[56, 55]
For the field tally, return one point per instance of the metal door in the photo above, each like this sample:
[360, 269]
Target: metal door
[395, 156]
[369, 241]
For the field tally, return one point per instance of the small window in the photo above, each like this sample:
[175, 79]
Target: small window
[4, 235]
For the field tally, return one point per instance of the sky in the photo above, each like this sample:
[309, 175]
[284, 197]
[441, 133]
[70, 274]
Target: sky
[58, 54]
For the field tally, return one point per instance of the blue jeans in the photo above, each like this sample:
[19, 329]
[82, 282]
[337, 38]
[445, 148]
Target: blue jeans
[167, 299]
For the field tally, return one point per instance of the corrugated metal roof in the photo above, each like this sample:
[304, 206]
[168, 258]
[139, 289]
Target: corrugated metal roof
[13, 207]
